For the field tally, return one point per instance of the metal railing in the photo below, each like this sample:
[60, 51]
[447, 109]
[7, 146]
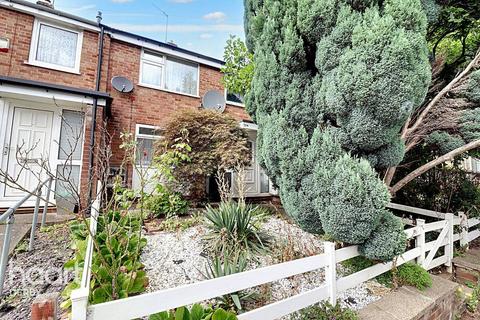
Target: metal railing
[8, 217]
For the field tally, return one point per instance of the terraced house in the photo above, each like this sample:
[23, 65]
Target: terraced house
[56, 74]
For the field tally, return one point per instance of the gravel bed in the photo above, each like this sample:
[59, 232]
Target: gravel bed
[33, 273]
[174, 259]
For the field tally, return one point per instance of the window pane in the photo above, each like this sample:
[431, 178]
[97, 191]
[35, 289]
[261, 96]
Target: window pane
[144, 154]
[235, 97]
[68, 181]
[71, 135]
[181, 76]
[150, 131]
[264, 183]
[151, 74]
[57, 46]
[153, 57]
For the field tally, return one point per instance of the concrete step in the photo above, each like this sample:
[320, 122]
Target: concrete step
[407, 303]
[467, 266]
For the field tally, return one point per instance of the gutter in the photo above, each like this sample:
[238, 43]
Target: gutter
[95, 108]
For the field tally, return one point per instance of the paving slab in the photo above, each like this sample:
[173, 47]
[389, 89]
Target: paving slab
[23, 223]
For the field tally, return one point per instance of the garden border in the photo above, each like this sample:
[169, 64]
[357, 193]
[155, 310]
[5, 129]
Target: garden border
[162, 300]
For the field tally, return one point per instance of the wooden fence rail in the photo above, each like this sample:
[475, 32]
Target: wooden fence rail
[424, 253]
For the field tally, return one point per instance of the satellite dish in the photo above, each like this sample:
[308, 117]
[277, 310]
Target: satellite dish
[122, 84]
[214, 100]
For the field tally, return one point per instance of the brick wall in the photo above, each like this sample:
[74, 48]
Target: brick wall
[151, 106]
[143, 106]
[18, 27]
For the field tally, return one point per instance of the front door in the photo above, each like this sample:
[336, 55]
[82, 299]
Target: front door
[28, 147]
[251, 173]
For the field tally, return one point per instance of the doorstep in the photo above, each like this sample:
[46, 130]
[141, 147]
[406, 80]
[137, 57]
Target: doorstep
[408, 303]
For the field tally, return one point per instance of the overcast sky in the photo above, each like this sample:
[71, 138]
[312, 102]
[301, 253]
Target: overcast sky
[199, 25]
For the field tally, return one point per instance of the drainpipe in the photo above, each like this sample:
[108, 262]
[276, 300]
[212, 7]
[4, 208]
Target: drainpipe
[95, 108]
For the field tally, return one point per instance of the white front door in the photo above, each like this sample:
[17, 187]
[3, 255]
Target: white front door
[251, 173]
[256, 182]
[28, 145]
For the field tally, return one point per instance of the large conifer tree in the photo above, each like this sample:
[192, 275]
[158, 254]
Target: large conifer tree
[334, 82]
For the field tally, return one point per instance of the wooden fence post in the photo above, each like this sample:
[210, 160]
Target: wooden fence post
[464, 230]
[331, 271]
[449, 247]
[420, 241]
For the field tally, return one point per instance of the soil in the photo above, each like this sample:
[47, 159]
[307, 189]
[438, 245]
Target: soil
[30, 274]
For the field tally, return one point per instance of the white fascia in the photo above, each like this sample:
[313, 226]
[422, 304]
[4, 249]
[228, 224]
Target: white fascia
[44, 95]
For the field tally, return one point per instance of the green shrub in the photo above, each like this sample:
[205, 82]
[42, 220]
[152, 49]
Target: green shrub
[387, 240]
[197, 312]
[414, 275]
[116, 268]
[353, 70]
[236, 226]
[227, 265]
[325, 311]
[164, 203]
[472, 299]
[409, 273]
[216, 142]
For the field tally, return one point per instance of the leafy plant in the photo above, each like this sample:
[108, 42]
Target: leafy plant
[238, 69]
[472, 299]
[236, 226]
[407, 274]
[164, 202]
[116, 270]
[228, 265]
[414, 275]
[216, 141]
[325, 311]
[197, 312]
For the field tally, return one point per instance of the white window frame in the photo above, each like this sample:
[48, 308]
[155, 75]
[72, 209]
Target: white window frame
[34, 46]
[163, 66]
[232, 103]
[145, 136]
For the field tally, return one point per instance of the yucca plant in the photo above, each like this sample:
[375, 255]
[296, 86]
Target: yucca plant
[227, 265]
[236, 226]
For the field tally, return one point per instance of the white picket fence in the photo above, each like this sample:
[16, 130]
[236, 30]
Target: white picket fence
[425, 254]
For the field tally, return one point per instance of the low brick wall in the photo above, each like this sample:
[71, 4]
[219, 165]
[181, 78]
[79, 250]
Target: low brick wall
[440, 302]
[444, 308]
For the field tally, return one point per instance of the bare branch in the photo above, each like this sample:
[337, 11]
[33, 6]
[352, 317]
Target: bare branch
[446, 157]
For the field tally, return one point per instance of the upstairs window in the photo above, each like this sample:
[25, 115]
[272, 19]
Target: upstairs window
[166, 73]
[234, 98]
[55, 47]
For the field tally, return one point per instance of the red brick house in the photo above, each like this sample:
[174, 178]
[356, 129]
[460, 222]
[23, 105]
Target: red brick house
[55, 83]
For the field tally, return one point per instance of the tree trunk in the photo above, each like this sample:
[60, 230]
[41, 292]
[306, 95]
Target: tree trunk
[449, 156]
[442, 93]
